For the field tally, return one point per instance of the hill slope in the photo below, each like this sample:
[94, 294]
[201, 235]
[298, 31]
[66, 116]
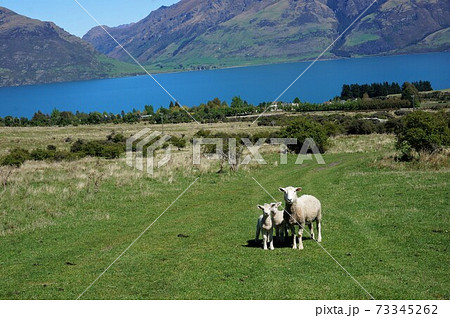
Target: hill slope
[200, 33]
[32, 51]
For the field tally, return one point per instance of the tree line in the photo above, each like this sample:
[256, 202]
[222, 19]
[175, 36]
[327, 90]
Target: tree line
[219, 111]
[353, 91]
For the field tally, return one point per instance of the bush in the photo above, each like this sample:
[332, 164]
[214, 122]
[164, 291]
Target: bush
[41, 154]
[393, 125]
[118, 138]
[361, 127]
[178, 142]
[97, 148]
[303, 128]
[64, 155]
[16, 157]
[77, 146]
[202, 133]
[332, 128]
[423, 132]
[92, 148]
[112, 151]
[51, 148]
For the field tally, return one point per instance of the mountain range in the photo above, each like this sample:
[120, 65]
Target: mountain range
[204, 34]
[201, 33]
[33, 51]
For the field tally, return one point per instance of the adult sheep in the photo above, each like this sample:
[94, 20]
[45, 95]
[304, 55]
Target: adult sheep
[300, 211]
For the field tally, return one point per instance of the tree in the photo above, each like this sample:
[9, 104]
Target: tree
[422, 131]
[237, 102]
[303, 128]
[40, 119]
[54, 117]
[423, 86]
[410, 93]
[149, 109]
[296, 100]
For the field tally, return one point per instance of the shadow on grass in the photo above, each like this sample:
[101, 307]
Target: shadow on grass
[276, 242]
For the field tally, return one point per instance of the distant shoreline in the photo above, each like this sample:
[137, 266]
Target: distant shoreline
[229, 67]
[289, 62]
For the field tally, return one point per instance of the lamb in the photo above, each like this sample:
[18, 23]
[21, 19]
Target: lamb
[302, 210]
[265, 225]
[278, 221]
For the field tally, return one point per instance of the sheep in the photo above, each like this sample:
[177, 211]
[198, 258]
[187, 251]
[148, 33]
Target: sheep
[265, 225]
[278, 221]
[302, 210]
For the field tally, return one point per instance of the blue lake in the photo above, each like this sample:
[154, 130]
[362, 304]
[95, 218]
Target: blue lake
[254, 84]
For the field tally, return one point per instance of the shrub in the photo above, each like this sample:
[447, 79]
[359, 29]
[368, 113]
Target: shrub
[112, 151]
[118, 138]
[332, 128]
[64, 155]
[361, 127]
[77, 146]
[423, 132]
[178, 142]
[51, 147]
[97, 148]
[41, 154]
[16, 157]
[393, 125]
[92, 148]
[202, 133]
[303, 128]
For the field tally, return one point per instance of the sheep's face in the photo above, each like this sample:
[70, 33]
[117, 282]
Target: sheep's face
[266, 208]
[290, 193]
[274, 208]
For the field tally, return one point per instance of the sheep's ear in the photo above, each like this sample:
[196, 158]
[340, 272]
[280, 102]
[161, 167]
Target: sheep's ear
[282, 189]
[298, 189]
[278, 204]
[260, 207]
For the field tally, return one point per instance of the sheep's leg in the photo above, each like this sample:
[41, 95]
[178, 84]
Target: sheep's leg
[265, 239]
[271, 240]
[319, 230]
[300, 234]
[258, 230]
[277, 232]
[281, 231]
[311, 230]
[294, 246]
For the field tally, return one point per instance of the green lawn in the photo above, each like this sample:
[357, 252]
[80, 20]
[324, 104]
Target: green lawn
[388, 228]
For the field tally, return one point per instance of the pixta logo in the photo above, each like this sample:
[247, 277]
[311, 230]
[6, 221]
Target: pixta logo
[144, 144]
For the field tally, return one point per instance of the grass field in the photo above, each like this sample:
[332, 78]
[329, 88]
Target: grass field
[63, 224]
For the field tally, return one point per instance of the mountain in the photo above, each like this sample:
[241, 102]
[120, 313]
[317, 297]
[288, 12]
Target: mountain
[32, 51]
[201, 33]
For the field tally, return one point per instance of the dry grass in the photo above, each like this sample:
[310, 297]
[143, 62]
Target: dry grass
[362, 143]
[39, 137]
[424, 161]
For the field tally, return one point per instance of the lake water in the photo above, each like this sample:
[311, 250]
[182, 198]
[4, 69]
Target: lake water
[254, 84]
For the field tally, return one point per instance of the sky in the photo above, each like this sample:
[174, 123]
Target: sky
[68, 15]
